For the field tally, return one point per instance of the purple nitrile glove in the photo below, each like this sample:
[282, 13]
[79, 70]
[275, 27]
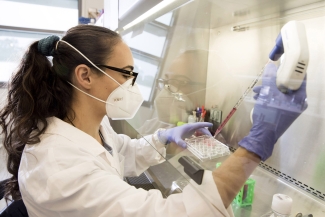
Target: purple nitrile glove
[178, 134]
[273, 113]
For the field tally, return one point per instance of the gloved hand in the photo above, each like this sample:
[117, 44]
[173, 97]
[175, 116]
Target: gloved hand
[177, 134]
[273, 113]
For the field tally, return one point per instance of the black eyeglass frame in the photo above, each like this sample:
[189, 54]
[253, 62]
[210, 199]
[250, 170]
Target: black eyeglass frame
[127, 72]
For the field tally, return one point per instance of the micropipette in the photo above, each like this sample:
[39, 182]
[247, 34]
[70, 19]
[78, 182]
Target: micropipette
[292, 68]
[234, 109]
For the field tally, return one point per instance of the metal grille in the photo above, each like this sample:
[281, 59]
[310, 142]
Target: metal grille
[141, 181]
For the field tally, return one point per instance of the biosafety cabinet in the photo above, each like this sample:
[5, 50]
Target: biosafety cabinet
[206, 53]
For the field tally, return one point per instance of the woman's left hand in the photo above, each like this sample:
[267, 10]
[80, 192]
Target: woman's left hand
[178, 134]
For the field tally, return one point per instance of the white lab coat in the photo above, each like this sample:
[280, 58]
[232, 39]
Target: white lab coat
[70, 174]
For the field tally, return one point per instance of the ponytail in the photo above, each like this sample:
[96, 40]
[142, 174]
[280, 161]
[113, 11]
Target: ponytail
[39, 90]
[35, 93]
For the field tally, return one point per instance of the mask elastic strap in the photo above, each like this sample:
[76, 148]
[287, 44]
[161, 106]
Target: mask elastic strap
[90, 62]
[89, 94]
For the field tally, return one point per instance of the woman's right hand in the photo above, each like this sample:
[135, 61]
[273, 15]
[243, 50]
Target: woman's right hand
[273, 113]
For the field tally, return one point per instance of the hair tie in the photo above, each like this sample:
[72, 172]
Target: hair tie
[46, 45]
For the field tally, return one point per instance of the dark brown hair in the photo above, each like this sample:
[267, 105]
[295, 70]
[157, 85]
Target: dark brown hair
[39, 90]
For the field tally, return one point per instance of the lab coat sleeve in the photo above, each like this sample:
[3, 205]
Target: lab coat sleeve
[91, 191]
[209, 191]
[139, 153]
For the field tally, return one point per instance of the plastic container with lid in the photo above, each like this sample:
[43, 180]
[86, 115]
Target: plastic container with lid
[281, 206]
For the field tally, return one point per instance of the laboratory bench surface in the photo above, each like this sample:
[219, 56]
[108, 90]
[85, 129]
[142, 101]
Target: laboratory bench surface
[169, 177]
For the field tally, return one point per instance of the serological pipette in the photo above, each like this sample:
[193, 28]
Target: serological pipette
[234, 109]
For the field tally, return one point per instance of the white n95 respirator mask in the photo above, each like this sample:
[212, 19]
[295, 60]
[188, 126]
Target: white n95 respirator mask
[123, 102]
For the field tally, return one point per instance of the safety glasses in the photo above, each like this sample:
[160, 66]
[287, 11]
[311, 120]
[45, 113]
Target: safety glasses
[126, 72]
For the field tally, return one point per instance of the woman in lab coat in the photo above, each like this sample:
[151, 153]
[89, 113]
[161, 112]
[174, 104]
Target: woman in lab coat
[65, 158]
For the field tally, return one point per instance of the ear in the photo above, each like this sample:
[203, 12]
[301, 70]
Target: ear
[83, 76]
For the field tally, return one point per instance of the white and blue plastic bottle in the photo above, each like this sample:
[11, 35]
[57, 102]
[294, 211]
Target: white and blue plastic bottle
[281, 206]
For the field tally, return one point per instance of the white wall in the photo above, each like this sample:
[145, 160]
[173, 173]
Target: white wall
[124, 5]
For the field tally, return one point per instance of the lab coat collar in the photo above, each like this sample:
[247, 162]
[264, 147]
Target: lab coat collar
[114, 160]
[83, 140]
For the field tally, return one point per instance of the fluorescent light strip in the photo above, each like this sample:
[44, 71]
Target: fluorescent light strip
[153, 10]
